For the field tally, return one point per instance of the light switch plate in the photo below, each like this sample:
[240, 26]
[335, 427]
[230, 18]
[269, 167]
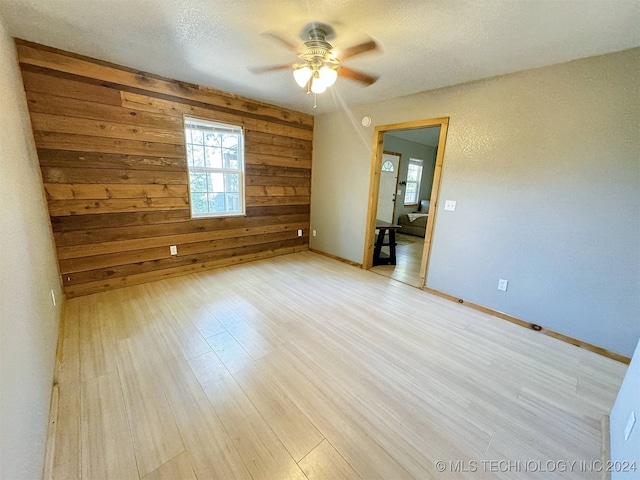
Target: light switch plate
[173, 249]
[450, 205]
[629, 428]
[503, 284]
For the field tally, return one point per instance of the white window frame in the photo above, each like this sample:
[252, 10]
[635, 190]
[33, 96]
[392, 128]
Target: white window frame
[416, 162]
[218, 127]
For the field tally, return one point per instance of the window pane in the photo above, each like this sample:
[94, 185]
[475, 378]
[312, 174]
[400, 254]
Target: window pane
[198, 182]
[189, 149]
[233, 202]
[411, 193]
[230, 141]
[198, 156]
[211, 139]
[216, 202]
[199, 202]
[213, 157]
[216, 182]
[196, 136]
[231, 182]
[230, 157]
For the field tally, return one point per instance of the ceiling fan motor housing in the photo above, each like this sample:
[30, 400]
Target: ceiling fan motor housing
[317, 47]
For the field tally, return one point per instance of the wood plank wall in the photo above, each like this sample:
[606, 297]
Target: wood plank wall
[111, 148]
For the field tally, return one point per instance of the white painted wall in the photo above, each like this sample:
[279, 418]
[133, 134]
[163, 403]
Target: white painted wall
[544, 167]
[28, 271]
[628, 401]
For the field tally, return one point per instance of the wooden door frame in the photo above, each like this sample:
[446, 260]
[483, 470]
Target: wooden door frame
[374, 187]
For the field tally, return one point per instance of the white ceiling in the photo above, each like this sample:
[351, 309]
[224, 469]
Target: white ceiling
[424, 44]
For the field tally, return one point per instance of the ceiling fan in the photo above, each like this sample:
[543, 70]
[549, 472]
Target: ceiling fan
[320, 63]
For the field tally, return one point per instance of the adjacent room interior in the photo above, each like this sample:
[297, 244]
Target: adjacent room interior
[405, 189]
[192, 198]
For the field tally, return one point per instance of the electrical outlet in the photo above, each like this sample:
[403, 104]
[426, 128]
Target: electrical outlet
[173, 249]
[450, 205]
[53, 297]
[502, 284]
[314, 233]
[300, 232]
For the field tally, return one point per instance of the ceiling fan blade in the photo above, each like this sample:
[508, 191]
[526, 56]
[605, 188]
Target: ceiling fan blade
[271, 68]
[282, 41]
[358, 49]
[357, 76]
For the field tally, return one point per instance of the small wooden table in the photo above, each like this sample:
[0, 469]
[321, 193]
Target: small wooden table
[380, 258]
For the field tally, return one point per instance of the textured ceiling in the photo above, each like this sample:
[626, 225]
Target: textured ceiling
[425, 44]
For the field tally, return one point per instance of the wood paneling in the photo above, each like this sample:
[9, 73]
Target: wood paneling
[88, 143]
[70, 191]
[110, 175]
[110, 142]
[209, 227]
[88, 222]
[79, 159]
[156, 104]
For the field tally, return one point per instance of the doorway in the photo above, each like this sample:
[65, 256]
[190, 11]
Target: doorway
[415, 203]
[388, 190]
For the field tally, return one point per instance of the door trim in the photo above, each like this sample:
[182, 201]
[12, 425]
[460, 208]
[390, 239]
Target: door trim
[374, 186]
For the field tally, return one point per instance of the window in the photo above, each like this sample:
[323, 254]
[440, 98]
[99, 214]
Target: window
[414, 176]
[216, 168]
[387, 166]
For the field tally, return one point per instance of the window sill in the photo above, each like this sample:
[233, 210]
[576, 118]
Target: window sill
[222, 215]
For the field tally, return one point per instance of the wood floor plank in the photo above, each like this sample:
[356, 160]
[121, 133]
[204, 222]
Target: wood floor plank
[107, 449]
[243, 371]
[187, 298]
[293, 428]
[368, 458]
[178, 326]
[156, 439]
[255, 343]
[230, 351]
[177, 468]
[212, 452]
[261, 450]
[66, 457]
[97, 347]
[325, 463]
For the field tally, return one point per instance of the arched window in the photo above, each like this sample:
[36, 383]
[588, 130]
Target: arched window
[387, 166]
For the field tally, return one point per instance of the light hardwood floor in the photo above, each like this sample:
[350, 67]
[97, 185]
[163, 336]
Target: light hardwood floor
[303, 367]
[408, 257]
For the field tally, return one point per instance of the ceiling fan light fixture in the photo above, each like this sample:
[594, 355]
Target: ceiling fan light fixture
[317, 86]
[319, 64]
[302, 75]
[327, 76]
